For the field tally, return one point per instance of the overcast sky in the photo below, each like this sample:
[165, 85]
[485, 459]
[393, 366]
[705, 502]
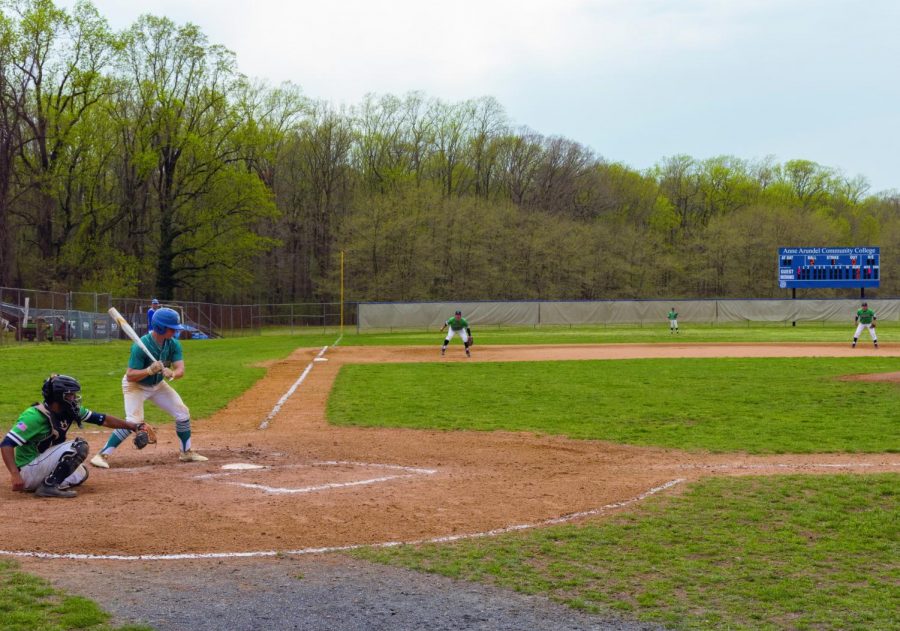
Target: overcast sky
[635, 80]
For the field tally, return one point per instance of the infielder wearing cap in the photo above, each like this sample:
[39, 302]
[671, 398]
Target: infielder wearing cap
[145, 380]
[865, 319]
[457, 325]
[36, 451]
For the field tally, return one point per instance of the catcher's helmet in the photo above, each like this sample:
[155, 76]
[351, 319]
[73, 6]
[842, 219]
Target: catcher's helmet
[57, 389]
[166, 318]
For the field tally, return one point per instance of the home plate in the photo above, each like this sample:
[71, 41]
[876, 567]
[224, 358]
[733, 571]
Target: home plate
[320, 359]
[242, 466]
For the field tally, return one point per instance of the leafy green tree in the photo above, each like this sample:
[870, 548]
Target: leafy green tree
[205, 205]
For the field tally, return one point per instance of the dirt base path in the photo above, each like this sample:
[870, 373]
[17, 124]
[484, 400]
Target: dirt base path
[324, 487]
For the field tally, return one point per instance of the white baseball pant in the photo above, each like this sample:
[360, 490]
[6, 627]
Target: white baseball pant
[462, 334]
[859, 330]
[36, 471]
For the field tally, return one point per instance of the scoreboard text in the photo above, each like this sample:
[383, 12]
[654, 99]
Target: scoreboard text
[829, 267]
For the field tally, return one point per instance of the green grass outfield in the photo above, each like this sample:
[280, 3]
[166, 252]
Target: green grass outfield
[782, 552]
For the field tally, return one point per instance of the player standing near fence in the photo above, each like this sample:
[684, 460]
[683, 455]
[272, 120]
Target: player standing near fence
[865, 319]
[154, 307]
[673, 321]
[457, 325]
[146, 379]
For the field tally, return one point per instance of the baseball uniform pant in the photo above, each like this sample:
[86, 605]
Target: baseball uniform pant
[36, 471]
[859, 330]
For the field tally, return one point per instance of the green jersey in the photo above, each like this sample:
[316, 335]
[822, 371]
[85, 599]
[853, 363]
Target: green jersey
[865, 316]
[33, 432]
[673, 315]
[458, 324]
[168, 353]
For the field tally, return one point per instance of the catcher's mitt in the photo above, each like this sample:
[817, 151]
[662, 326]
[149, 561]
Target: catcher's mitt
[144, 435]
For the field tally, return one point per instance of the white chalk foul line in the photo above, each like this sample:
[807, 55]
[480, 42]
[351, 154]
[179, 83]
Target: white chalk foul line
[387, 544]
[291, 390]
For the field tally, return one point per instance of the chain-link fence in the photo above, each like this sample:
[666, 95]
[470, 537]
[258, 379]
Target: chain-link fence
[28, 315]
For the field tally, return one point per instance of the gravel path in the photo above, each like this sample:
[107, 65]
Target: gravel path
[336, 593]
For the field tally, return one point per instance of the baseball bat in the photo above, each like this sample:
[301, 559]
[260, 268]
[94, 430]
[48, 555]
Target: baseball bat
[131, 333]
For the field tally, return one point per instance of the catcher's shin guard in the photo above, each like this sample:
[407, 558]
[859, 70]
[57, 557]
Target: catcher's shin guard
[70, 461]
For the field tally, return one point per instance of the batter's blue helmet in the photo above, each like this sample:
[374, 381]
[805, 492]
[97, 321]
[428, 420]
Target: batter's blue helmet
[166, 318]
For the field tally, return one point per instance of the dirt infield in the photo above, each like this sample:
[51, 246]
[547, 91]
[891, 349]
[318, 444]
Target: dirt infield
[322, 486]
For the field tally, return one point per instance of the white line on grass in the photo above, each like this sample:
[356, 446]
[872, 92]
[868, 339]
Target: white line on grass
[387, 544]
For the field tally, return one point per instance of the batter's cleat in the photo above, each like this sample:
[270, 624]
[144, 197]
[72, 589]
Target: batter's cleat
[468, 353]
[876, 344]
[100, 461]
[52, 490]
[191, 456]
[443, 351]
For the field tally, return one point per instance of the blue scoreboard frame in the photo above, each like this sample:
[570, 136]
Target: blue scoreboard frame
[829, 267]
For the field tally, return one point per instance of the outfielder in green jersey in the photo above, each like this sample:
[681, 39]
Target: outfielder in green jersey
[457, 325]
[35, 450]
[673, 321]
[865, 319]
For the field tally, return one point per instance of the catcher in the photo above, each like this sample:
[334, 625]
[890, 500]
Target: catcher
[145, 379]
[36, 451]
[457, 325]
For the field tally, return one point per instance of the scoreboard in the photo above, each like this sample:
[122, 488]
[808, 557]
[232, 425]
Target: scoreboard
[829, 267]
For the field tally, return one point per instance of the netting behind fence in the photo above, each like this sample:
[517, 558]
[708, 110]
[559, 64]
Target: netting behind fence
[30, 315]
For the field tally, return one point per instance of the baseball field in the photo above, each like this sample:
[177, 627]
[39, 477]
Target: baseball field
[733, 477]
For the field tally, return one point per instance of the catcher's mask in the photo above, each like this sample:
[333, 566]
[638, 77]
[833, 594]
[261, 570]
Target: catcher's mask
[66, 391]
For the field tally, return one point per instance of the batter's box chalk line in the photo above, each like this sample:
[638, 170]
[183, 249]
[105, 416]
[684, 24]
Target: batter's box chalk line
[324, 550]
[241, 468]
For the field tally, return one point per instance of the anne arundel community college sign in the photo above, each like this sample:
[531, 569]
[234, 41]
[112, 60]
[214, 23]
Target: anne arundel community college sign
[829, 267]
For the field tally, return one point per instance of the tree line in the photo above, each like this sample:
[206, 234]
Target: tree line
[142, 162]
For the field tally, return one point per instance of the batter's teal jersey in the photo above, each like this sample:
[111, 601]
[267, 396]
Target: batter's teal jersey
[169, 353]
[33, 428]
[458, 324]
[865, 316]
[673, 315]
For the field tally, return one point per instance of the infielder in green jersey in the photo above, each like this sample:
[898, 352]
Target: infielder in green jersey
[673, 321]
[145, 379]
[35, 450]
[457, 325]
[865, 319]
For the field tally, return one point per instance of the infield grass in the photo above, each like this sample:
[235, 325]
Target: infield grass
[788, 552]
[784, 405]
[29, 603]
